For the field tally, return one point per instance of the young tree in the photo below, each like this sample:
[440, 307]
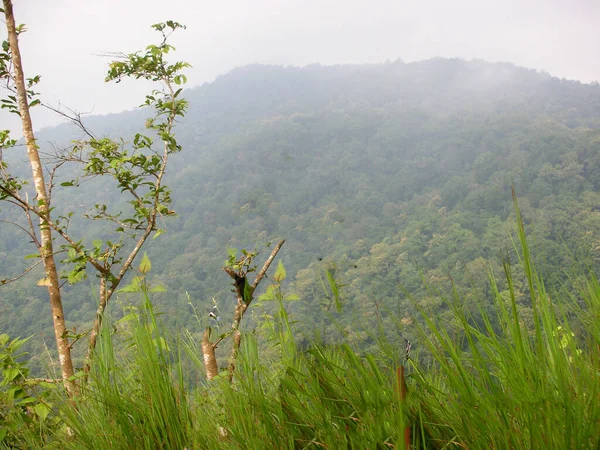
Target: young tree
[137, 171]
[10, 187]
[238, 270]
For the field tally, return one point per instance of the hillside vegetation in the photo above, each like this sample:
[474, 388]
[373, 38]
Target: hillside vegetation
[395, 187]
[390, 174]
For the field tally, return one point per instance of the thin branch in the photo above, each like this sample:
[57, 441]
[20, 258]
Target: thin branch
[50, 183]
[77, 339]
[74, 117]
[218, 341]
[268, 262]
[56, 228]
[45, 380]
[29, 269]
[31, 226]
[32, 236]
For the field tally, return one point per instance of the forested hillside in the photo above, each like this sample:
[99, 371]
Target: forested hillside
[396, 178]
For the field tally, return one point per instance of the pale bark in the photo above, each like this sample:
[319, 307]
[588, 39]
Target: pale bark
[51, 280]
[208, 352]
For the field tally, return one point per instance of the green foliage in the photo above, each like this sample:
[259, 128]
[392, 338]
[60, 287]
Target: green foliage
[26, 405]
[136, 397]
[402, 175]
[516, 386]
[391, 171]
[244, 264]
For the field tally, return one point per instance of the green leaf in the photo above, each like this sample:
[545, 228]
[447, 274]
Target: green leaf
[280, 273]
[9, 375]
[76, 275]
[145, 265]
[335, 290]
[97, 243]
[128, 318]
[269, 295]
[158, 233]
[130, 288]
[41, 410]
[158, 288]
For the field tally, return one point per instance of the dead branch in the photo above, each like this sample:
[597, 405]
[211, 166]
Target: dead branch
[72, 116]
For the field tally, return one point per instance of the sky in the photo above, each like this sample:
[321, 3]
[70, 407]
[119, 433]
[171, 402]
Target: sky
[66, 39]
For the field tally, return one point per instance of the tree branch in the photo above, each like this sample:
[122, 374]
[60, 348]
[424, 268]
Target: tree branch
[28, 233]
[75, 118]
[29, 269]
[268, 262]
[243, 301]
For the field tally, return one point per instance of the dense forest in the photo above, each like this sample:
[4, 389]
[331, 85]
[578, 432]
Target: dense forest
[398, 176]
[394, 186]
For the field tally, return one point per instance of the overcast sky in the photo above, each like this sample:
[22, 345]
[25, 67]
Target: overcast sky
[65, 38]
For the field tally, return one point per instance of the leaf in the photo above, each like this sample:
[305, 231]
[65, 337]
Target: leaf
[76, 275]
[269, 295]
[280, 273]
[335, 290]
[158, 233]
[145, 265]
[158, 288]
[130, 288]
[97, 243]
[292, 297]
[41, 410]
[9, 375]
[128, 318]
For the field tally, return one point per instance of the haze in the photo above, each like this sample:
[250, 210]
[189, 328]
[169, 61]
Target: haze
[66, 37]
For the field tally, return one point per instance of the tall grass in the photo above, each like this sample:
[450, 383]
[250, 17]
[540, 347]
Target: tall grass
[135, 399]
[509, 386]
[497, 381]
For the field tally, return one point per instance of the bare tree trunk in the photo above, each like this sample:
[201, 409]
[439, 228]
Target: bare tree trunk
[210, 360]
[46, 251]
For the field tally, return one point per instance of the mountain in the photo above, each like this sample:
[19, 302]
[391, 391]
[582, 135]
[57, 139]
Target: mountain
[395, 177]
